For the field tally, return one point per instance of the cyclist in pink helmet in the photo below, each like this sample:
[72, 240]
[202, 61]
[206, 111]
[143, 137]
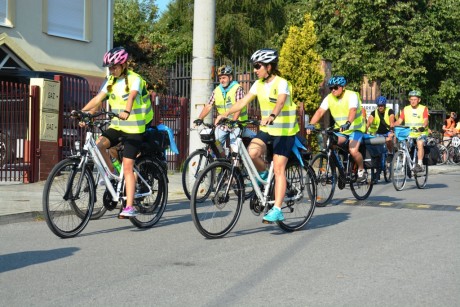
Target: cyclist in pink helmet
[114, 56]
[128, 97]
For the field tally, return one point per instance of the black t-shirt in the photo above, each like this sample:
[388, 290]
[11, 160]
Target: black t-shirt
[383, 128]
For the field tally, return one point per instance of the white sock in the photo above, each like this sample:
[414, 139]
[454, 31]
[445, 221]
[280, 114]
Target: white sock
[276, 208]
[360, 172]
[420, 162]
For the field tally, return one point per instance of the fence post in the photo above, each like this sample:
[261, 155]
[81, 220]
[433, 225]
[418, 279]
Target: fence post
[183, 135]
[34, 148]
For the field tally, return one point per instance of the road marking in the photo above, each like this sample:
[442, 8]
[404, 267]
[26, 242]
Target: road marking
[383, 204]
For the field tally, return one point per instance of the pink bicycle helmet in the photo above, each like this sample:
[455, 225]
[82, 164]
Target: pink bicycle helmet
[117, 55]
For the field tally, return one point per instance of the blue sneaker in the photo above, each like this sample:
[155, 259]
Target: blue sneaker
[262, 175]
[274, 215]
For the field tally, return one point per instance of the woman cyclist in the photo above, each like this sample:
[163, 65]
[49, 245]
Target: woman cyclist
[278, 124]
[128, 97]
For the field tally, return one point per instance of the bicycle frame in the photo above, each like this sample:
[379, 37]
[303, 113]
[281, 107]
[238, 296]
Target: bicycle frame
[91, 147]
[404, 147]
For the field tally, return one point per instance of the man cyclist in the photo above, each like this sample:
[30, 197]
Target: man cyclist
[380, 123]
[224, 96]
[416, 115]
[345, 106]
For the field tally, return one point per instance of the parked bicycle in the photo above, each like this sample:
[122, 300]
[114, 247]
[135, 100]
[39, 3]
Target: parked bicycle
[202, 157]
[69, 192]
[336, 158]
[219, 192]
[405, 159]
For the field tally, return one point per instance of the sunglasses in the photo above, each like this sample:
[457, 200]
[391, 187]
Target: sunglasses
[257, 65]
[336, 87]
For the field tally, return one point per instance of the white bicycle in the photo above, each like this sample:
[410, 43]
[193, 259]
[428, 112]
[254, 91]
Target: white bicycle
[70, 190]
[219, 192]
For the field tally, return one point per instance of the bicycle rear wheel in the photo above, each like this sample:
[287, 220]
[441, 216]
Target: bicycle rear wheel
[443, 154]
[151, 207]
[99, 208]
[421, 178]
[387, 168]
[195, 163]
[67, 205]
[326, 179]
[399, 170]
[361, 190]
[220, 193]
[301, 187]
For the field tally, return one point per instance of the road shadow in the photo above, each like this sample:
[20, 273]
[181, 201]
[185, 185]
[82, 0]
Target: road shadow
[20, 260]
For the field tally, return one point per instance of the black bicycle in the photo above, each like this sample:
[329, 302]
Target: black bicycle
[334, 166]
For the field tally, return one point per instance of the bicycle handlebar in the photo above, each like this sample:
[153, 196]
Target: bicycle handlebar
[88, 118]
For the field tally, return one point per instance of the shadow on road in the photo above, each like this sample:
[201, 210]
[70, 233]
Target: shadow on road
[16, 261]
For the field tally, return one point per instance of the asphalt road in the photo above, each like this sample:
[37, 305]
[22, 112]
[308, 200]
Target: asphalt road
[396, 249]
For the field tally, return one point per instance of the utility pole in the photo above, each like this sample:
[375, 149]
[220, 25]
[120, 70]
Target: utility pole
[204, 23]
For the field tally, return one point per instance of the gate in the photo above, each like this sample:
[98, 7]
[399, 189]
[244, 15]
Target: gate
[18, 137]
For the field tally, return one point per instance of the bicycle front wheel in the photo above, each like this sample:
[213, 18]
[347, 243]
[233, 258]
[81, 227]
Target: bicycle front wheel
[150, 207]
[219, 189]
[421, 178]
[399, 170]
[299, 204]
[195, 163]
[361, 190]
[387, 168]
[326, 179]
[68, 198]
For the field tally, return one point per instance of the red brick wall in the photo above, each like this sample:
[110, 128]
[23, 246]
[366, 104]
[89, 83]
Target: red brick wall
[49, 157]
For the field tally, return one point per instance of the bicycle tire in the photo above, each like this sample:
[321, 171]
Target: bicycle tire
[443, 154]
[301, 182]
[217, 214]
[151, 208]
[386, 168]
[360, 190]
[67, 218]
[454, 155]
[99, 209]
[195, 163]
[421, 178]
[325, 182]
[399, 170]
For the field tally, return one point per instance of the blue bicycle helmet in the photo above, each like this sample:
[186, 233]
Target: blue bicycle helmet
[381, 101]
[337, 80]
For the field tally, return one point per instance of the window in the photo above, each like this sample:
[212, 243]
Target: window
[6, 13]
[70, 19]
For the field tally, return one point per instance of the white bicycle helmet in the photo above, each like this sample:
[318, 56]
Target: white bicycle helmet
[265, 56]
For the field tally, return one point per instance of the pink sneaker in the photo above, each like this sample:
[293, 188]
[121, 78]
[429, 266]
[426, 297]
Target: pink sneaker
[129, 211]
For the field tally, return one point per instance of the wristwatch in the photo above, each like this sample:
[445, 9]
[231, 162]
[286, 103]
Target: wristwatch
[273, 115]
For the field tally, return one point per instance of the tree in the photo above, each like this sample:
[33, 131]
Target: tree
[300, 64]
[408, 44]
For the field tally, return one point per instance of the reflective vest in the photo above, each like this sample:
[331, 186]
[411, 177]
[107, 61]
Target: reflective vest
[376, 122]
[414, 118]
[340, 110]
[285, 123]
[225, 100]
[141, 112]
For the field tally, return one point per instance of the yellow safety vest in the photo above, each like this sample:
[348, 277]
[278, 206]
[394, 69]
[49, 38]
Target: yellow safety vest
[285, 123]
[414, 118]
[376, 122]
[340, 110]
[225, 103]
[141, 112]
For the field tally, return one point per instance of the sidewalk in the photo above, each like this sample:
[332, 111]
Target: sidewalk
[23, 202]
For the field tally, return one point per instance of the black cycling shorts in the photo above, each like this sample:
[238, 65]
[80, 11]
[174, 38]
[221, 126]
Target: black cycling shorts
[132, 141]
[282, 145]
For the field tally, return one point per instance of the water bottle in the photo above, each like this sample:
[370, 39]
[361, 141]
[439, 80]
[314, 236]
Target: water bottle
[116, 164]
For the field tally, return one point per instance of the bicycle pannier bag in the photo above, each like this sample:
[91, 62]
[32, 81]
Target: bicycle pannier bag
[157, 140]
[372, 155]
[431, 156]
